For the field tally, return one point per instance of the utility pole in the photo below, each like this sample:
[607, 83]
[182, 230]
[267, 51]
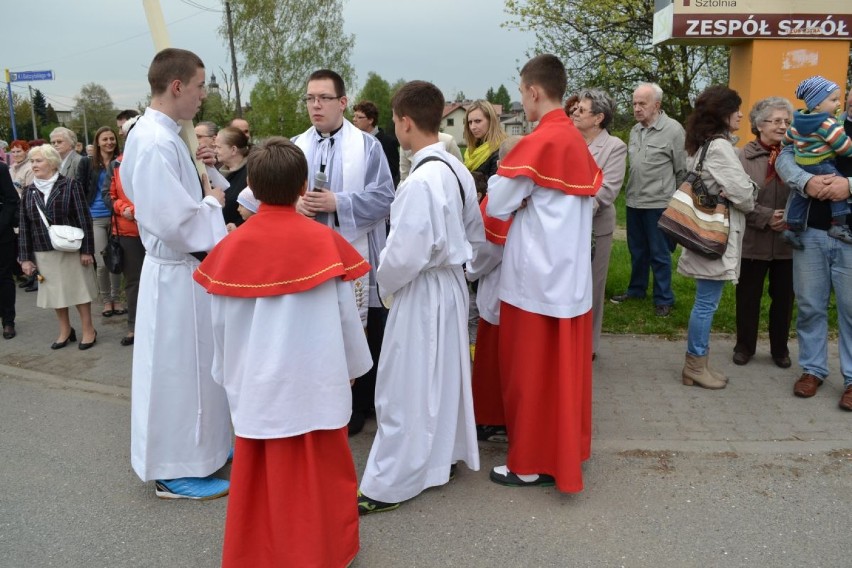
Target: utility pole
[32, 110]
[239, 110]
[85, 127]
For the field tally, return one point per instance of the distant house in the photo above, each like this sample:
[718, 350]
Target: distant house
[64, 117]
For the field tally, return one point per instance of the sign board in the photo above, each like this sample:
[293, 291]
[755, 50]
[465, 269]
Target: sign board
[730, 21]
[30, 76]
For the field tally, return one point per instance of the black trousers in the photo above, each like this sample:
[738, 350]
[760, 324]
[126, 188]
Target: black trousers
[8, 262]
[753, 273]
[364, 389]
[134, 256]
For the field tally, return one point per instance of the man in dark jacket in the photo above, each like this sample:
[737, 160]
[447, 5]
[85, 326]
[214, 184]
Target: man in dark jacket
[9, 204]
[365, 116]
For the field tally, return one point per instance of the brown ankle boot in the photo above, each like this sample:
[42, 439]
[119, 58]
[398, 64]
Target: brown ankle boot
[695, 372]
[718, 375]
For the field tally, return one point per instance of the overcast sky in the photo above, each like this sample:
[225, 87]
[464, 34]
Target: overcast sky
[457, 44]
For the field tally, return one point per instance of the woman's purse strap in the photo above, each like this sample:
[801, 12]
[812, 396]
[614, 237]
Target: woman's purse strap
[40, 212]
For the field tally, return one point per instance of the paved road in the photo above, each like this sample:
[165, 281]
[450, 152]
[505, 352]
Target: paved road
[679, 477]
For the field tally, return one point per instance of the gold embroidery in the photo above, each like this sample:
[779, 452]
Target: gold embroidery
[557, 180]
[282, 282]
[499, 236]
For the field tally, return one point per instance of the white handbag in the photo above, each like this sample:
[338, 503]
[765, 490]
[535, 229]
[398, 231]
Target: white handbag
[64, 238]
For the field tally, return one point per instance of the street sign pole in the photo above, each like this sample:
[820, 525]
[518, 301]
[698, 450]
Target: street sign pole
[11, 106]
[32, 111]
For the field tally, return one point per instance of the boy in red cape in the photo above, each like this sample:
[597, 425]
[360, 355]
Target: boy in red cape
[288, 338]
[545, 338]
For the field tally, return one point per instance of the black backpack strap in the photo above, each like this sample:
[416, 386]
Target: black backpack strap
[437, 159]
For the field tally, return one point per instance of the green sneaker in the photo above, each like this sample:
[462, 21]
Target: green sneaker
[367, 506]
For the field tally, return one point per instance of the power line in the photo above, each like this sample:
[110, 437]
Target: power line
[200, 6]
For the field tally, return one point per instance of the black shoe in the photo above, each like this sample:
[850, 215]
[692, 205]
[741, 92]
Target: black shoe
[127, 340]
[491, 433]
[9, 331]
[741, 358]
[32, 287]
[619, 298]
[72, 337]
[784, 361]
[83, 346]
[502, 476]
[663, 311]
[367, 506]
[27, 282]
[356, 422]
[453, 469]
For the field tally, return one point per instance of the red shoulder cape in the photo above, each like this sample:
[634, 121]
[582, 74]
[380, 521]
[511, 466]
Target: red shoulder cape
[275, 252]
[554, 155]
[496, 230]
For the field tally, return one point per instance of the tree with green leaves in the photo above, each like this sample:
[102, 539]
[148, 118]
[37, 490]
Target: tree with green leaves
[499, 97]
[378, 91]
[40, 105]
[277, 111]
[99, 109]
[23, 123]
[606, 44]
[281, 42]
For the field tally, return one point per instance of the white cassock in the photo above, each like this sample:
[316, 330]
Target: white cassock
[179, 417]
[486, 266]
[361, 180]
[424, 404]
[283, 379]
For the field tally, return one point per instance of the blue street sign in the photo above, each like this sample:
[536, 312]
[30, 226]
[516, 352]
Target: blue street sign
[30, 76]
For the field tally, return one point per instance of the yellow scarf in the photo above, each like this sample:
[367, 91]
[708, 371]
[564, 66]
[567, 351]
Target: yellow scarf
[474, 159]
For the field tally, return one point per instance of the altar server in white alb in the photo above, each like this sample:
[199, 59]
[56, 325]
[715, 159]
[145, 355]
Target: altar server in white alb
[424, 405]
[288, 339]
[180, 429]
[355, 203]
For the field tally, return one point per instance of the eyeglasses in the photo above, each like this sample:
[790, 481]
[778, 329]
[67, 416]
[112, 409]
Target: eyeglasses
[779, 122]
[322, 99]
[358, 117]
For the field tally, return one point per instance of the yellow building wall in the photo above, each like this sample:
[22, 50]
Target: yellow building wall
[765, 68]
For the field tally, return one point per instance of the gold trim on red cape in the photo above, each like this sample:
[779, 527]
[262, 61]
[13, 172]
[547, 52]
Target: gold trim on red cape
[278, 251]
[554, 155]
[496, 230]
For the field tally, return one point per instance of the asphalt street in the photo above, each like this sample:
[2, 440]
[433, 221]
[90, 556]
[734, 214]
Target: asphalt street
[679, 476]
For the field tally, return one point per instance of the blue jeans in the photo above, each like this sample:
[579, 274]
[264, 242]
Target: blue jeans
[707, 296]
[825, 263]
[797, 204]
[649, 249]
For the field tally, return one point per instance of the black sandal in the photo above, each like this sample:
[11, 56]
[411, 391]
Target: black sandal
[127, 340]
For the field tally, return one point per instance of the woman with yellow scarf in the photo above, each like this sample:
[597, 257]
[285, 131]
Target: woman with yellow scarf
[483, 134]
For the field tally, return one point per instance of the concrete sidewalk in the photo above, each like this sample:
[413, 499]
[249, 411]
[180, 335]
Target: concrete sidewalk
[679, 476]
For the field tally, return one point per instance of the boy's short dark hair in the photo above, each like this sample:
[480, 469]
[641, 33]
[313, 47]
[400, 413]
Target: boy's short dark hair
[277, 171]
[547, 72]
[127, 114]
[170, 64]
[339, 85]
[422, 102]
[370, 110]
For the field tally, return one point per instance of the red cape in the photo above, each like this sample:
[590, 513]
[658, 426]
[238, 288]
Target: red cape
[275, 252]
[496, 230]
[554, 155]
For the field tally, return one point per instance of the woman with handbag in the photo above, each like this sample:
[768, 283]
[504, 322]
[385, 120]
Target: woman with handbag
[765, 253]
[94, 176]
[54, 205]
[710, 151]
[124, 228]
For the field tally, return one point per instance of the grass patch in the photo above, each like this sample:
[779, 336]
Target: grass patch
[637, 316]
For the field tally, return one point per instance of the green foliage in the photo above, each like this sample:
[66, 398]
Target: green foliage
[460, 97]
[99, 109]
[40, 105]
[277, 111]
[282, 41]
[501, 97]
[215, 110]
[23, 120]
[607, 44]
[378, 91]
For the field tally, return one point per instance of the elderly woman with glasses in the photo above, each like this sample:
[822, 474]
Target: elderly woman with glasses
[592, 113]
[764, 251]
